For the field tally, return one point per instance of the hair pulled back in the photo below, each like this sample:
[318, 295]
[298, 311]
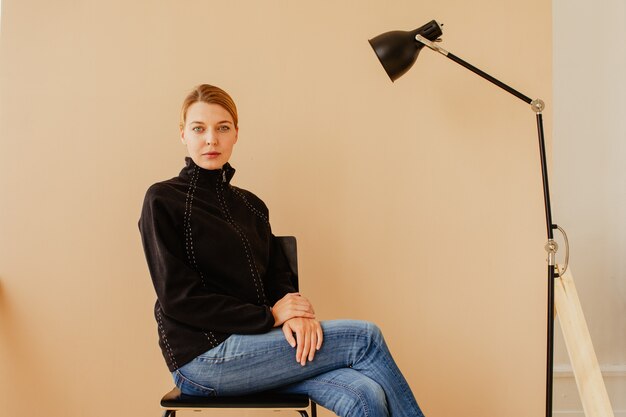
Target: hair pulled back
[212, 95]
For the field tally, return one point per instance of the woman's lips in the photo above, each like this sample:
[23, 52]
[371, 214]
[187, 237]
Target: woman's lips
[212, 155]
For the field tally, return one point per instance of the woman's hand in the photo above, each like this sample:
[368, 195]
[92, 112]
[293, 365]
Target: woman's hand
[308, 337]
[290, 306]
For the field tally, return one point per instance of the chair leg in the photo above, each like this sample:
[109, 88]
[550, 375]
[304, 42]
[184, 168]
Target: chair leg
[303, 413]
[169, 413]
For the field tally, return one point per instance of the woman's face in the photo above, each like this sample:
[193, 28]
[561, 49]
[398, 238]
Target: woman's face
[209, 134]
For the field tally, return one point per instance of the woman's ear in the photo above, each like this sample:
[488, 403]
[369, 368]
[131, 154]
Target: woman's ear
[182, 136]
[236, 134]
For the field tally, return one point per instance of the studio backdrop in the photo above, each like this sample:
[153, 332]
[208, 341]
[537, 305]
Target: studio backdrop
[416, 204]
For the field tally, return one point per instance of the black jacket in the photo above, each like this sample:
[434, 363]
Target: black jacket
[214, 262]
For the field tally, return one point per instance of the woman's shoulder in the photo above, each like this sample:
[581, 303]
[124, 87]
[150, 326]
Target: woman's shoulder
[164, 192]
[166, 187]
[248, 195]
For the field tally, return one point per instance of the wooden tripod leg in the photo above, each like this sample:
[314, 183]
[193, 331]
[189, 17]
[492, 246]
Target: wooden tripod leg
[589, 380]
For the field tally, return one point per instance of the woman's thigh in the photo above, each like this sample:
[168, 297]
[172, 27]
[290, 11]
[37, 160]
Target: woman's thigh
[250, 363]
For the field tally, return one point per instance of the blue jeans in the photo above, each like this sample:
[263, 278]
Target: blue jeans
[353, 374]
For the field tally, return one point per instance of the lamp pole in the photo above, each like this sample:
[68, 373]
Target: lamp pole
[397, 52]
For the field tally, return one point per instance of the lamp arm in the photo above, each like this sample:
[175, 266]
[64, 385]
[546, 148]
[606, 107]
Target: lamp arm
[537, 105]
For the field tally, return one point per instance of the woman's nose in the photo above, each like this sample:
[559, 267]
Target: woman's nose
[211, 138]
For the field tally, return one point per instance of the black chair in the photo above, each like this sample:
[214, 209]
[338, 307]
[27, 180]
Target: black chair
[175, 400]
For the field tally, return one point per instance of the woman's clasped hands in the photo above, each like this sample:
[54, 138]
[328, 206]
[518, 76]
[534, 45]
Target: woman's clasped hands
[297, 316]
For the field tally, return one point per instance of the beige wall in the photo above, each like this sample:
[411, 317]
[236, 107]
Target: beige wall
[590, 182]
[417, 204]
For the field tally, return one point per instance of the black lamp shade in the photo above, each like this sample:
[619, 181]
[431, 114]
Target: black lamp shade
[397, 50]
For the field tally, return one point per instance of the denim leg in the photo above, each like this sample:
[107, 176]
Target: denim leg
[251, 363]
[346, 392]
[378, 364]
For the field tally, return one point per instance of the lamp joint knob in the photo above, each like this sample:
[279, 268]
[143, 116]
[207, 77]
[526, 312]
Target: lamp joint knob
[537, 105]
[551, 247]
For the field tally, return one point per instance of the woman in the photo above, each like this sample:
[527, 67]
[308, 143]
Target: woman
[224, 293]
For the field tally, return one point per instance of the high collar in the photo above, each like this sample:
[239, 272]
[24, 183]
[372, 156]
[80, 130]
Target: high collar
[202, 175]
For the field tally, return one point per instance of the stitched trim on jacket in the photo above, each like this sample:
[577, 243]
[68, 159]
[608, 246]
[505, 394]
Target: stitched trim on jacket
[191, 256]
[211, 338]
[164, 337]
[258, 283]
[250, 206]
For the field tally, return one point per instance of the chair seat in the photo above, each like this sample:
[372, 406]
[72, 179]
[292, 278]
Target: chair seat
[175, 399]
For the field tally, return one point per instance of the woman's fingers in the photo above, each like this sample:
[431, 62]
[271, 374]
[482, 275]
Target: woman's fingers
[308, 338]
[290, 306]
[300, 343]
[313, 344]
[289, 335]
[306, 352]
[320, 337]
[316, 340]
[298, 301]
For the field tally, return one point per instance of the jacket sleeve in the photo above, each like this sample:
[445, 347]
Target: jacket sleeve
[179, 288]
[279, 275]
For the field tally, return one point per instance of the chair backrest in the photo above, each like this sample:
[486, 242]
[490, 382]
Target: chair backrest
[289, 246]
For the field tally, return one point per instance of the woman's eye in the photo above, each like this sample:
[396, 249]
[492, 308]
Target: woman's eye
[223, 128]
[197, 129]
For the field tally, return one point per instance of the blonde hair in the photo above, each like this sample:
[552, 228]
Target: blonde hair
[209, 94]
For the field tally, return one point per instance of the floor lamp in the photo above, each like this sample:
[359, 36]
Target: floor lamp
[397, 52]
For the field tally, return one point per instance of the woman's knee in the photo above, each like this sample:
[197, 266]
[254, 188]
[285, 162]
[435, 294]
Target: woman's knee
[375, 331]
[351, 342]
[352, 326]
